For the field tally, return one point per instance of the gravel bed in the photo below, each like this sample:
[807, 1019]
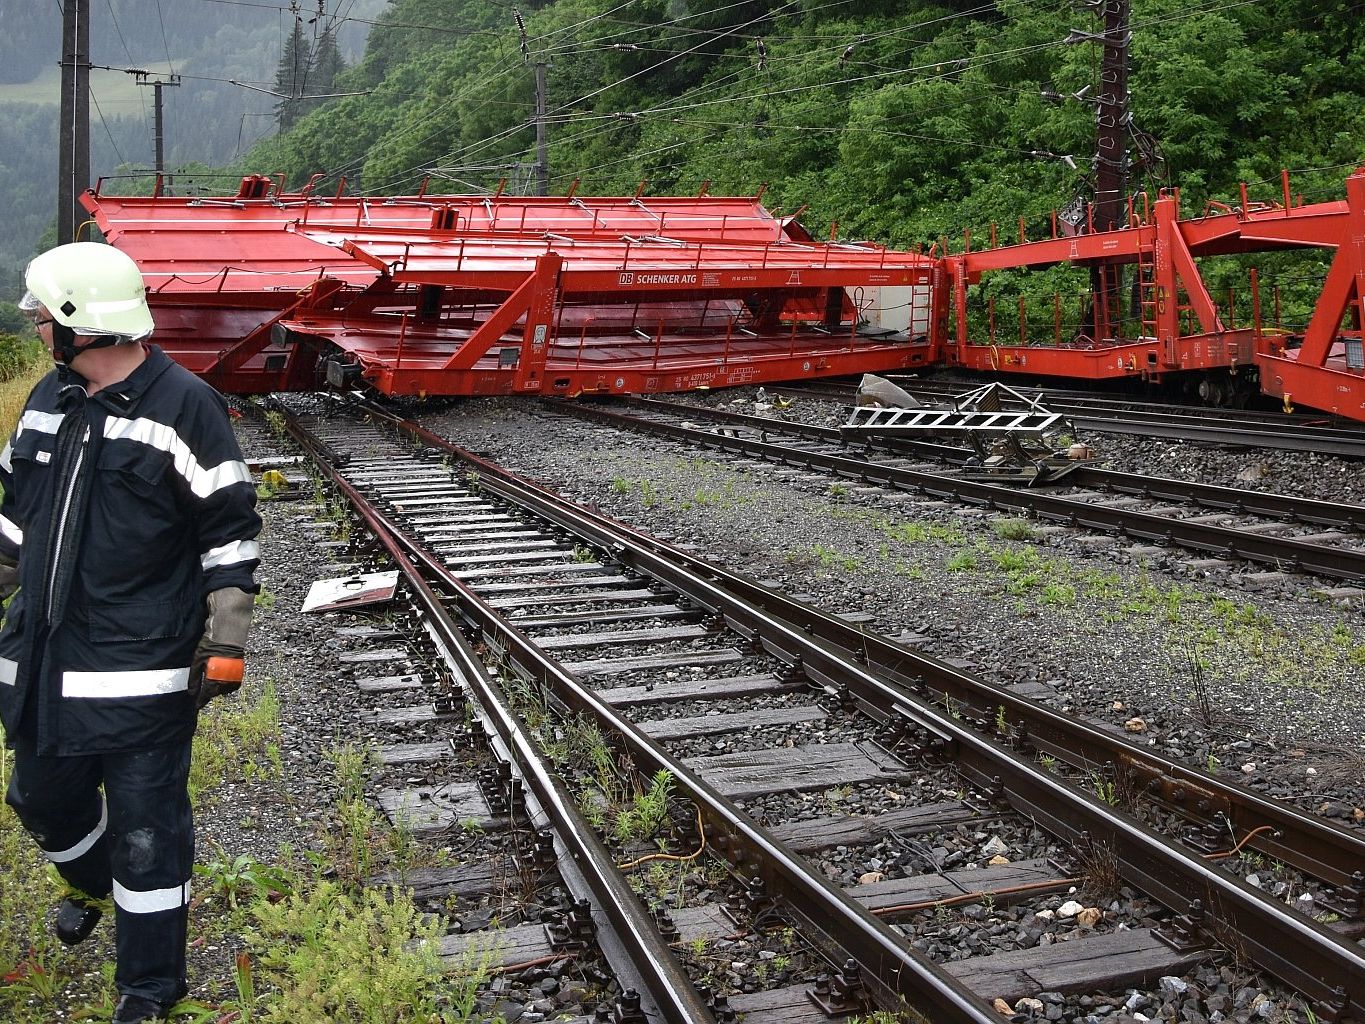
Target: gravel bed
[1115, 634]
[1214, 665]
[1283, 670]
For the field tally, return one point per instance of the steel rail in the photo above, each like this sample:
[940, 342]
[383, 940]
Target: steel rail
[641, 958]
[1314, 845]
[1292, 424]
[1234, 499]
[1245, 433]
[890, 967]
[1281, 552]
[1311, 844]
[1303, 953]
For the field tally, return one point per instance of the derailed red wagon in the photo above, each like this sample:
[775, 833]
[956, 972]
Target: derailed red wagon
[269, 290]
[480, 295]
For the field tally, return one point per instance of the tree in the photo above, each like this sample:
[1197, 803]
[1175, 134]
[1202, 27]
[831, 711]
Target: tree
[327, 65]
[292, 77]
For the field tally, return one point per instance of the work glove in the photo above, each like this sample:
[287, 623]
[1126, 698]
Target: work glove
[219, 658]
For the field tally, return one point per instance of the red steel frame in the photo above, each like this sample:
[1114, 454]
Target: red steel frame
[1309, 370]
[495, 295]
[428, 294]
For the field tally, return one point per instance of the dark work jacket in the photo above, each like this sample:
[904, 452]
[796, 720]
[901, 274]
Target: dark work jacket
[124, 509]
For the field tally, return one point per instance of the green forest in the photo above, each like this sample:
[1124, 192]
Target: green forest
[907, 122]
[903, 121]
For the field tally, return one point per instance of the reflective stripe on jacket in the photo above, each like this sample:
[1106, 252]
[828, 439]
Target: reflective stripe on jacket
[124, 510]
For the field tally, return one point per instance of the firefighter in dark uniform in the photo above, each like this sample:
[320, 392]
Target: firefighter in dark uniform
[128, 530]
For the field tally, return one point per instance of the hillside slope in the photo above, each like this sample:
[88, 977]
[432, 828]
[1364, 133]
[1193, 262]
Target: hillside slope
[904, 121]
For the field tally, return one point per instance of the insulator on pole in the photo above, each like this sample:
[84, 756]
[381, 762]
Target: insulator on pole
[522, 43]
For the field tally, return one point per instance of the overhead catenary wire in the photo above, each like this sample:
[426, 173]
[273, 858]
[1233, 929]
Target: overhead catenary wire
[616, 115]
[117, 152]
[559, 115]
[142, 99]
[166, 44]
[456, 97]
[965, 63]
[352, 165]
[497, 137]
[956, 68]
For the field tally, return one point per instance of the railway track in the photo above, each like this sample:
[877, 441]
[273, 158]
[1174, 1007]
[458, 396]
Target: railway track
[584, 621]
[1288, 533]
[1117, 414]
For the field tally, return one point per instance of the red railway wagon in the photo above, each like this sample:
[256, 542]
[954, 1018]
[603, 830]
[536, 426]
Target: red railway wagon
[1181, 329]
[462, 295]
[475, 295]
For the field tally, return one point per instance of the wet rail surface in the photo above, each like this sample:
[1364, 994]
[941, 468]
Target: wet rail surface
[1285, 532]
[607, 624]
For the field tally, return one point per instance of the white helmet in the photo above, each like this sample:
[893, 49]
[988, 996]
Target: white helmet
[92, 288]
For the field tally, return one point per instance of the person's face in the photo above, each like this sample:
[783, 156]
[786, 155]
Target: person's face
[43, 321]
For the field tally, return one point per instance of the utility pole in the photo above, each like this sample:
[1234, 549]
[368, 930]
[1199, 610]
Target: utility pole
[542, 149]
[73, 159]
[158, 122]
[1112, 120]
[1113, 125]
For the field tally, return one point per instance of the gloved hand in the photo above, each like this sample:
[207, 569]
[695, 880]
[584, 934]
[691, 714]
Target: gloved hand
[219, 658]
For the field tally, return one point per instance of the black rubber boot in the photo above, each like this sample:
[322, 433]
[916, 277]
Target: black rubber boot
[76, 920]
[137, 1008]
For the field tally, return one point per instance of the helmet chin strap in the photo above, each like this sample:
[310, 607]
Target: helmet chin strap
[65, 349]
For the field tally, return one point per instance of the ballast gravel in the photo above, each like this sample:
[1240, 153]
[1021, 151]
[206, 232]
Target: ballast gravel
[1208, 664]
[1252, 675]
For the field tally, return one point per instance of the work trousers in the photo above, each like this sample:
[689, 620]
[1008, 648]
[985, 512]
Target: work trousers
[136, 842]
